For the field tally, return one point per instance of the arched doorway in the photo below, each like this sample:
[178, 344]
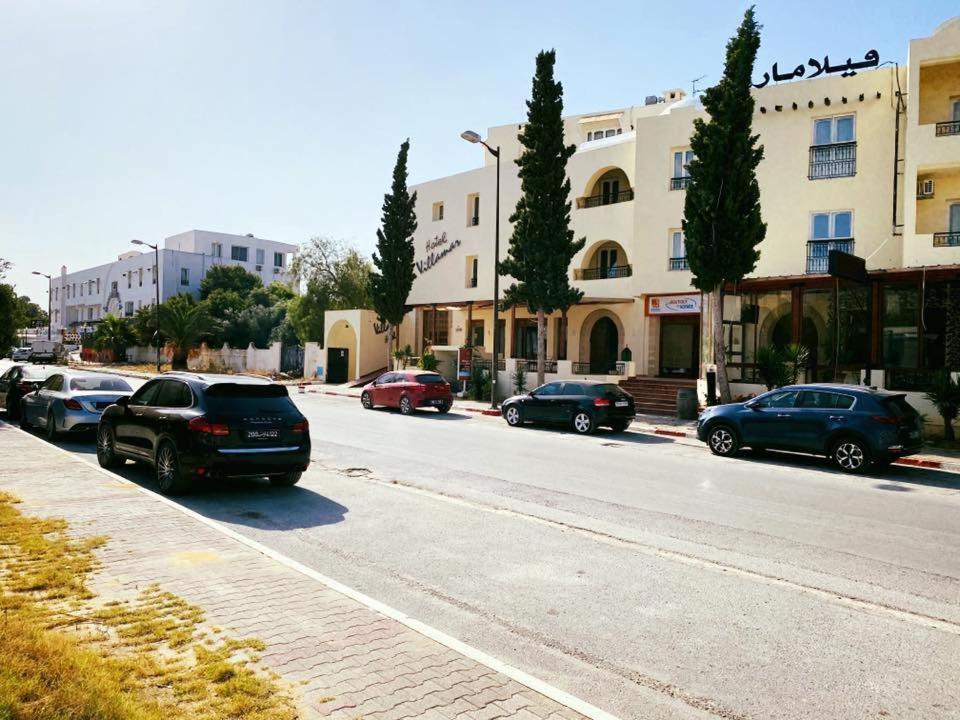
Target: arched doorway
[604, 341]
[341, 353]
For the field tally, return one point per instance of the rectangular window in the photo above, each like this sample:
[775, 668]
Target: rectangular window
[259, 256]
[900, 314]
[98, 286]
[81, 289]
[89, 313]
[128, 308]
[216, 249]
[833, 151]
[239, 253]
[678, 251]
[278, 259]
[184, 276]
[436, 327]
[140, 277]
[476, 333]
[832, 225]
[955, 218]
[437, 211]
[681, 159]
[473, 209]
[837, 129]
[113, 287]
[154, 274]
[471, 271]
[129, 275]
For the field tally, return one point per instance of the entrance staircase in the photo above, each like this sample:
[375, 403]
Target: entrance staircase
[656, 396]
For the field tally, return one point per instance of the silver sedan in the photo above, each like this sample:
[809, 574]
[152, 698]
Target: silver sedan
[71, 401]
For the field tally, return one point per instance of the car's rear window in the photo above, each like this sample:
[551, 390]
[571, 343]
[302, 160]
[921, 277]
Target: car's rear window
[112, 384]
[899, 407]
[234, 396]
[37, 373]
[606, 389]
[429, 379]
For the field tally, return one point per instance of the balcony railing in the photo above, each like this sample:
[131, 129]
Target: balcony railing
[951, 127]
[605, 199]
[946, 239]
[583, 368]
[818, 253]
[530, 365]
[679, 183]
[601, 273]
[679, 263]
[830, 161]
[909, 379]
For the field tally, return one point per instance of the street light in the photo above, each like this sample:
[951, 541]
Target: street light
[472, 137]
[156, 284]
[49, 298]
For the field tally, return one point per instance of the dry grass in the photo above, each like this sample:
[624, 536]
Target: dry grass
[67, 655]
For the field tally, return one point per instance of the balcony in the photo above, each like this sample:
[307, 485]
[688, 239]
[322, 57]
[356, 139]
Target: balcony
[680, 183]
[831, 161]
[679, 263]
[818, 253]
[951, 127]
[592, 201]
[946, 239]
[602, 273]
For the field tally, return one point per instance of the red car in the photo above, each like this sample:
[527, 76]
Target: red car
[408, 390]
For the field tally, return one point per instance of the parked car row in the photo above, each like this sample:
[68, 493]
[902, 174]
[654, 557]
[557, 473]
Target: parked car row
[185, 426]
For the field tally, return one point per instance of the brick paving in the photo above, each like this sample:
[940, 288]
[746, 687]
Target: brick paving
[343, 659]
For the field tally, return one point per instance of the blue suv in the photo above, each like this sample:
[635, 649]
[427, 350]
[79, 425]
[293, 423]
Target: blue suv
[854, 426]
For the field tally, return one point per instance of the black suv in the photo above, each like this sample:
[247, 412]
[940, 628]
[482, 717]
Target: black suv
[189, 425]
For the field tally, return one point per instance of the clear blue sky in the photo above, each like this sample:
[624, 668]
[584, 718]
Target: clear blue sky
[131, 119]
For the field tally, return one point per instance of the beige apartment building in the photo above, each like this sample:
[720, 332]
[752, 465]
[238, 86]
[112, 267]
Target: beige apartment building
[866, 161]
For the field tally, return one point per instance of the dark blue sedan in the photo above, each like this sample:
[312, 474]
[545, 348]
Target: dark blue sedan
[854, 426]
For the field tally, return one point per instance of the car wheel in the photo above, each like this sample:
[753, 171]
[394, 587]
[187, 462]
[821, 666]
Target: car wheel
[445, 408]
[583, 423]
[850, 455]
[620, 426]
[106, 451]
[286, 480]
[723, 441]
[512, 416]
[169, 478]
[24, 423]
[51, 427]
[366, 401]
[406, 407]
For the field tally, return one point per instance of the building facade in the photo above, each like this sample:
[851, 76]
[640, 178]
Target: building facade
[82, 298]
[866, 161]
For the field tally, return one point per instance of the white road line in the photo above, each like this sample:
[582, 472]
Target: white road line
[535, 684]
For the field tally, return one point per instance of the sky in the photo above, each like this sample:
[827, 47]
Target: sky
[124, 119]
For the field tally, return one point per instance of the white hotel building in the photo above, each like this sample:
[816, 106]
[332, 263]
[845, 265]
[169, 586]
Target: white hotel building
[80, 299]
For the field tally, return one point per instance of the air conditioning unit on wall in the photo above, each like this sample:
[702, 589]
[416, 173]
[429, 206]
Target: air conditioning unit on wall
[925, 188]
[259, 268]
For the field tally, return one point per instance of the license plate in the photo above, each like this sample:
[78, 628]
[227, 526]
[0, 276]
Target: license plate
[437, 402]
[621, 403]
[262, 434]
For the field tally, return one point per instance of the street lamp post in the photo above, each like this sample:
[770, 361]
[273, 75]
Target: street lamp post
[472, 137]
[49, 299]
[156, 285]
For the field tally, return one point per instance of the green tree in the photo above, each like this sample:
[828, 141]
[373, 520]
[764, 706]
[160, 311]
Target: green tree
[306, 311]
[114, 334]
[31, 314]
[144, 326]
[391, 281]
[944, 393]
[254, 324]
[229, 277]
[184, 321]
[9, 317]
[722, 222]
[542, 243]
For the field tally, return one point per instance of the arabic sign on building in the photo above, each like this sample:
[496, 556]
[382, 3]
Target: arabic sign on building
[846, 69]
[437, 248]
[674, 304]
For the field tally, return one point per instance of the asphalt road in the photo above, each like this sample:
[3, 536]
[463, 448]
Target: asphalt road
[642, 575]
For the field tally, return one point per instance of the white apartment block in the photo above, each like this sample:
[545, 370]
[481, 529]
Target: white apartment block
[79, 299]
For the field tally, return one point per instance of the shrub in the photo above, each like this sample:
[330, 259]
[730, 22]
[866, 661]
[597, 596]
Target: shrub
[479, 383]
[944, 393]
[428, 361]
[520, 380]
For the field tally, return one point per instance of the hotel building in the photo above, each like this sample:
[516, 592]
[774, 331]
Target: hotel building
[82, 298]
[864, 158]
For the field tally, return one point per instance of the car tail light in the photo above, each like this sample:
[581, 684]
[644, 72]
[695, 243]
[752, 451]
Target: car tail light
[885, 419]
[202, 425]
[601, 402]
[71, 404]
[300, 427]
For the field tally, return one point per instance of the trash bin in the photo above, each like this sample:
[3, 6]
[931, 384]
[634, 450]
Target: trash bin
[687, 404]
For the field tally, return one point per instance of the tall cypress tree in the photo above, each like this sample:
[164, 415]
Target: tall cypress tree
[542, 243]
[722, 223]
[390, 283]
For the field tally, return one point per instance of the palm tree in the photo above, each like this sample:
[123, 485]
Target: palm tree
[114, 334]
[184, 321]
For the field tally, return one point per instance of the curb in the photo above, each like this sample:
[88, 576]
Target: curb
[537, 685]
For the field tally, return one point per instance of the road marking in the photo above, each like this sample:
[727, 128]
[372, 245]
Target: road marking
[834, 597]
[535, 684]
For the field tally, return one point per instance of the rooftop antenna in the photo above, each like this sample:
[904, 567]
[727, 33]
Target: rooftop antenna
[693, 88]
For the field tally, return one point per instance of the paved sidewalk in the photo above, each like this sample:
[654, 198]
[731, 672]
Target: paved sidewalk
[344, 658]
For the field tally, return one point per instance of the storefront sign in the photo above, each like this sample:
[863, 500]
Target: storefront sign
[847, 69]
[437, 249]
[674, 304]
[464, 361]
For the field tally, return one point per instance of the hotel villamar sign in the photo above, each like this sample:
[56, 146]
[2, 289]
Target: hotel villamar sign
[687, 304]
